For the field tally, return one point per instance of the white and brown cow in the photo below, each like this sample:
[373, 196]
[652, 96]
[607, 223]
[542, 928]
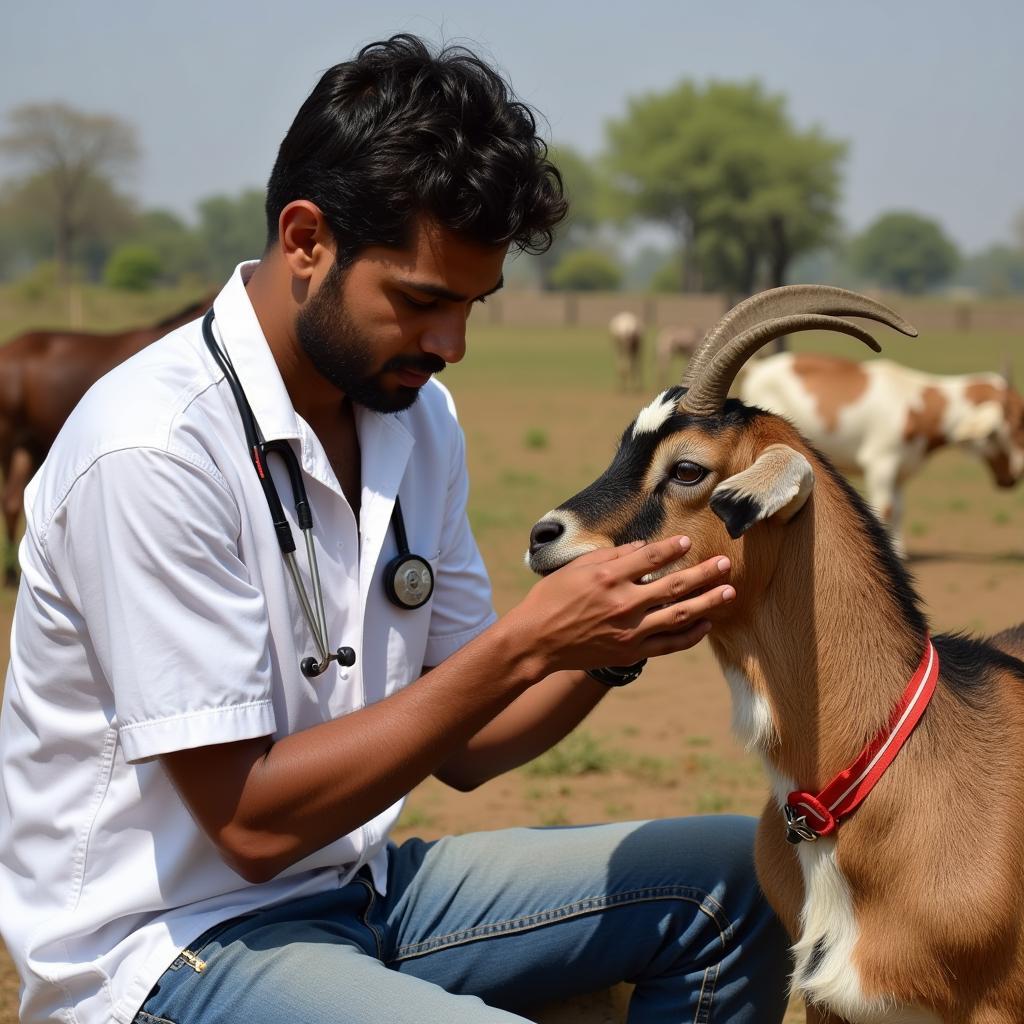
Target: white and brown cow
[882, 420]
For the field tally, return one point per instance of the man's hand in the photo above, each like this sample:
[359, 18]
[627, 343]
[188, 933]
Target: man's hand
[598, 611]
[268, 804]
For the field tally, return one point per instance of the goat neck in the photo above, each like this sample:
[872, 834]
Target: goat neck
[820, 655]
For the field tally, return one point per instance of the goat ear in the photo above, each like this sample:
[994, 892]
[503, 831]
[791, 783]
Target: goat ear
[980, 422]
[777, 484]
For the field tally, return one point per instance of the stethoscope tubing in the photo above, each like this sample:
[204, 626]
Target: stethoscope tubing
[409, 580]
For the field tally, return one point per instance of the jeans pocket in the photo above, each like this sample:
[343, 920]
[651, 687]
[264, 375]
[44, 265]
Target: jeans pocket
[148, 1018]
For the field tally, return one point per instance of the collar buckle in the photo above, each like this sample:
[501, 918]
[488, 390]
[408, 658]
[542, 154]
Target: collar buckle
[797, 829]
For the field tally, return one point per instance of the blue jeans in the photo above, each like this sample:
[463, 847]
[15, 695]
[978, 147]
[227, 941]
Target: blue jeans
[480, 928]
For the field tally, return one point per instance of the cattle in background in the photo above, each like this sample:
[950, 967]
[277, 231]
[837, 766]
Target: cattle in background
[628, 339]
[882, 420]
[672, 342]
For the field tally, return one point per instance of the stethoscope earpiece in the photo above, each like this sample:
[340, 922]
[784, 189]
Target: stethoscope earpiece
[344, 656]
[408, 579]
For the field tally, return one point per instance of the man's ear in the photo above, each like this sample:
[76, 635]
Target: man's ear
[304, 238]
[777, 484]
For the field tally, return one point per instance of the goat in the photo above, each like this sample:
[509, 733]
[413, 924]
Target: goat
[911, 911]
[628, 339]
[672, 342]
[882, 420]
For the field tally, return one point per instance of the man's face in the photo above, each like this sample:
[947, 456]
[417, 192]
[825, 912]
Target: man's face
[380, 328]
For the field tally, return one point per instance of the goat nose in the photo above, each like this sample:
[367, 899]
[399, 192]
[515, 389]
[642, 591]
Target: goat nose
[545, 532]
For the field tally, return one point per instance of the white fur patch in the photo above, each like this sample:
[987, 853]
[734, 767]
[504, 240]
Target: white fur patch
[827, 917]
[652, 416]
[752, 720]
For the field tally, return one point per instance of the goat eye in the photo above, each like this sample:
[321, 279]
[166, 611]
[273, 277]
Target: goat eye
[688, 473]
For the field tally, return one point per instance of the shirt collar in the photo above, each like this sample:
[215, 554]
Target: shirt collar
[241, 336]
[384, 438]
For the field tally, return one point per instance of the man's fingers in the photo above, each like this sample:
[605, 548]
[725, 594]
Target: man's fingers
[593, 557]
[670, 643]
[682, 614]
[676, 585]
[639, 559]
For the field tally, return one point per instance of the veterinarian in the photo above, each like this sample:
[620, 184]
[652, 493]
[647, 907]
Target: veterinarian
[207, 736]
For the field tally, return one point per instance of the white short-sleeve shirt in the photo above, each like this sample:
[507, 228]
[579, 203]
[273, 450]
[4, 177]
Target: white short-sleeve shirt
[156, 614]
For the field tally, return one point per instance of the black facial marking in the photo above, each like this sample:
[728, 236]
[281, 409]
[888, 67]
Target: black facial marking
[739, 512]
[603, 500]
[969, 667]
[647, 523]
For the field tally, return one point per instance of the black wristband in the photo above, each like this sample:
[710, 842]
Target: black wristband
[617, 675]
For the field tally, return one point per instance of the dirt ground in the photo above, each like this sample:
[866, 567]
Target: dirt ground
[541, 417]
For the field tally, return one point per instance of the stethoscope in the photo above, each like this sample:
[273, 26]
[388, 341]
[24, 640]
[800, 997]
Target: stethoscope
[408, 578]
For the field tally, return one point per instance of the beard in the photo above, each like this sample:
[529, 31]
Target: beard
[344, 355]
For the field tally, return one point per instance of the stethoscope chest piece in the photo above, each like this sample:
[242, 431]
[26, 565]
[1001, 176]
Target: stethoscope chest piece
[408, 580]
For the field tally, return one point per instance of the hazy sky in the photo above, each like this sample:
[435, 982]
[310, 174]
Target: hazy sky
[928, 93]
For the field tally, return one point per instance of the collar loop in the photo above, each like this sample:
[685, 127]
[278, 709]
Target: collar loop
[810, 816]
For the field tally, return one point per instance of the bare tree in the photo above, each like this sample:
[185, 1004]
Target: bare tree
[68, 151]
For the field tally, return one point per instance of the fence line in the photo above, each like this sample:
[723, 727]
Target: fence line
[594, 309]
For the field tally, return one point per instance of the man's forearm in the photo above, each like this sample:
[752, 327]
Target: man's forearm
[268, 805]
[533, 723]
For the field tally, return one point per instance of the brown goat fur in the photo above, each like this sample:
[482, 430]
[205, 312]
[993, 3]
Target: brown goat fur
[823, 635]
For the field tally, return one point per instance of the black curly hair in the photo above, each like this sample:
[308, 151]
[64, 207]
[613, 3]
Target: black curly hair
[400, 131]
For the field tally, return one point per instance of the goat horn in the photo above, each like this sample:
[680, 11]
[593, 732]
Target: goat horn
[710, 391]
[789, 300]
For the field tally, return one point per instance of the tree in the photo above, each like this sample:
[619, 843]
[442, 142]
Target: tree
[581, 181]
[133, 268]
[71, 155]
[668, 278]
[905, 251]
[582, 186]
[105, 218]
[997, 271]
[724, 168]
[798, 199]
[179, 249]
[586, 270]
[231, 229]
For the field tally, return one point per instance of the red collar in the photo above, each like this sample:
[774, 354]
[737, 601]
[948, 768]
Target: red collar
[808, 816]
